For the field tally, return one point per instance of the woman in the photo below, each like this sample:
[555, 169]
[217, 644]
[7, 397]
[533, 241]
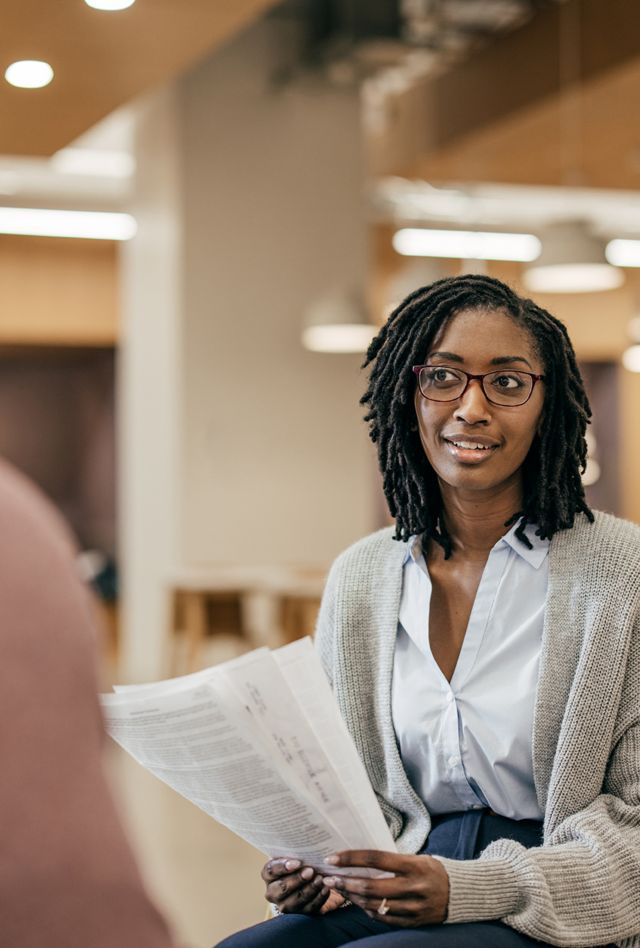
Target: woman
[488, 663]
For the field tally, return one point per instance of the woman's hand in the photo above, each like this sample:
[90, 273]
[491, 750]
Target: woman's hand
[418, 895]
[294, 888]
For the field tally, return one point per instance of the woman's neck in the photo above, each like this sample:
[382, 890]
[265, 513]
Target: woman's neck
[475, 520]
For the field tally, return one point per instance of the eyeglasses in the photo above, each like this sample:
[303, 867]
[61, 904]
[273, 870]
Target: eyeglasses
[441, 383]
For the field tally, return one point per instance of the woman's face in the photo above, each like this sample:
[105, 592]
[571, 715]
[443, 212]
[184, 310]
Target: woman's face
[471, 443]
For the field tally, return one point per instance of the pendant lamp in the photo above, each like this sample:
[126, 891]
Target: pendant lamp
[572, 261]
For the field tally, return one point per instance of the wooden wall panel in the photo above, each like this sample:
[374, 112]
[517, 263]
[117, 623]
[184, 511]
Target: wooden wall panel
[56, 291]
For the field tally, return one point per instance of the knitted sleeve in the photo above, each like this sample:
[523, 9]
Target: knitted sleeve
[324, 638]
[582, 887]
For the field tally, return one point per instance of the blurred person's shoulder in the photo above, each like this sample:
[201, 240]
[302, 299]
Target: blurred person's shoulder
[45, 607]
[25, 512]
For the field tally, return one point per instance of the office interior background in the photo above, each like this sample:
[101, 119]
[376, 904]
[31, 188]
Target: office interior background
[181, 372]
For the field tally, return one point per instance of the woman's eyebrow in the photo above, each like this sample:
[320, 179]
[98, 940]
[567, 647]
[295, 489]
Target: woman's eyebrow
[499, 360]
[502, 360]
[451, 356]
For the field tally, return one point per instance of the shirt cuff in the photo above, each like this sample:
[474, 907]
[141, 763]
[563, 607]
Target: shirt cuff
[480, 889]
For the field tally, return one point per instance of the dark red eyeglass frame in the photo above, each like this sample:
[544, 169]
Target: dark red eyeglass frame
[480, 378]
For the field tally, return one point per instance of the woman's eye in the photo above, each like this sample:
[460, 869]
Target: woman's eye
[442, 375]
[507, 381]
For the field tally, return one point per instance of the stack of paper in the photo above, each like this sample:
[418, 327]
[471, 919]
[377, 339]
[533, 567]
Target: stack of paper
[258, 743]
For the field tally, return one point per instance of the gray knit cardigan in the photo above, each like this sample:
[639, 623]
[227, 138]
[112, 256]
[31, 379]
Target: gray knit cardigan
[582, 886]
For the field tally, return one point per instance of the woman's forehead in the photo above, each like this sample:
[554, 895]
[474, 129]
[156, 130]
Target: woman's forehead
[477, 334]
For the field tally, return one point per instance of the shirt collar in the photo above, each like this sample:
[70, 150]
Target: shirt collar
[535, 556]
[540, 548]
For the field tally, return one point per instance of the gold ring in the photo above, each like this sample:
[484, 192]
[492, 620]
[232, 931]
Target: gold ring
[383, 908]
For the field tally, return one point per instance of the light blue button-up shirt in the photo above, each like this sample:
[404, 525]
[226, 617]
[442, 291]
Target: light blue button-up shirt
[467, 743]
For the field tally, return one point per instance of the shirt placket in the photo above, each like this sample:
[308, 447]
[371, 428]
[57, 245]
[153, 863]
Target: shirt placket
[449, 749]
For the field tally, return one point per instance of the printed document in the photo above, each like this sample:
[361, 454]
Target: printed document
[258, 743]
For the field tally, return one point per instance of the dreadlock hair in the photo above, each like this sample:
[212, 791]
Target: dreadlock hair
[552, 486]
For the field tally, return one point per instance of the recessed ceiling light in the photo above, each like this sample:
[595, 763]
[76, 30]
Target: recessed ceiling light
[29, 74]
[466, 245]
[109, 4]
[45, 222]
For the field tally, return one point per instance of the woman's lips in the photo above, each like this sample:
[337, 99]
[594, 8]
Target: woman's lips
[469, 451]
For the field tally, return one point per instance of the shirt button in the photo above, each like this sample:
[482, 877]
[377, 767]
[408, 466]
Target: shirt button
[450, 697]
[454, 761]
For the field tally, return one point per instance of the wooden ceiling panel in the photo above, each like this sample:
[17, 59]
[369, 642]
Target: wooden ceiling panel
[588, 138]
[552, 103]
[101, 60]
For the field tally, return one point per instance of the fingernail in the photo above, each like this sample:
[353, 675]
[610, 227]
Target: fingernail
[307, 873]
[292, 864]
[332, 860]
[329, 881]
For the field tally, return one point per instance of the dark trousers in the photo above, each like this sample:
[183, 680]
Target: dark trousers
[456, 835]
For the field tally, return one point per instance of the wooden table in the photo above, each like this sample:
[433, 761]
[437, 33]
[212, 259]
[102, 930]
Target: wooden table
[258, 605]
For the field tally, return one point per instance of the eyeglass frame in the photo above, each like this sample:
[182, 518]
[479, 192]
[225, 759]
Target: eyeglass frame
[416, 369]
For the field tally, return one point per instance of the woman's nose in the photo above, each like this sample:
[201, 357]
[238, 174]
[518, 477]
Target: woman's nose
[473, 407]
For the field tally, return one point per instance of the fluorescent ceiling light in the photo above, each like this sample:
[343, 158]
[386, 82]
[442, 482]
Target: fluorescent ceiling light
[39, 222]
[623, 253]
[631, 358]
[339, 337]
[94, 162]
[574, 278]
[466, 245]
[29, 74]
[109, 4]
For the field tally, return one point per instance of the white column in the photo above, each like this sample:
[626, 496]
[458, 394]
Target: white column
[237, 445]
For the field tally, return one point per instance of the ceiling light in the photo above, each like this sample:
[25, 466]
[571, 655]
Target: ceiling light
[410, 276]
[574, 278]
[345, 337]
[572, 261]
[592, 473]
[633, 328]
[29, 74]
[631, 358]
[94, 162]
[338, 323]
[466, 245]
[109, 4]
[93, 225]
[623, 253]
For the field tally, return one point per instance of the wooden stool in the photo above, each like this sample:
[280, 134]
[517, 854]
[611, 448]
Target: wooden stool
[215, 601]
[198, 613]
[298, 613]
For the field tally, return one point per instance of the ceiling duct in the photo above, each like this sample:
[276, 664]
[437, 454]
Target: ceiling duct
[374, 34]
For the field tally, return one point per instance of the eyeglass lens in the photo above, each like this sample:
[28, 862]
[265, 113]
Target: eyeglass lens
[444, 384]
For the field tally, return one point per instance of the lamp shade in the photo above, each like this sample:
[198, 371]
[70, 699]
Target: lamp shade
[338, 322]
[572, 261]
